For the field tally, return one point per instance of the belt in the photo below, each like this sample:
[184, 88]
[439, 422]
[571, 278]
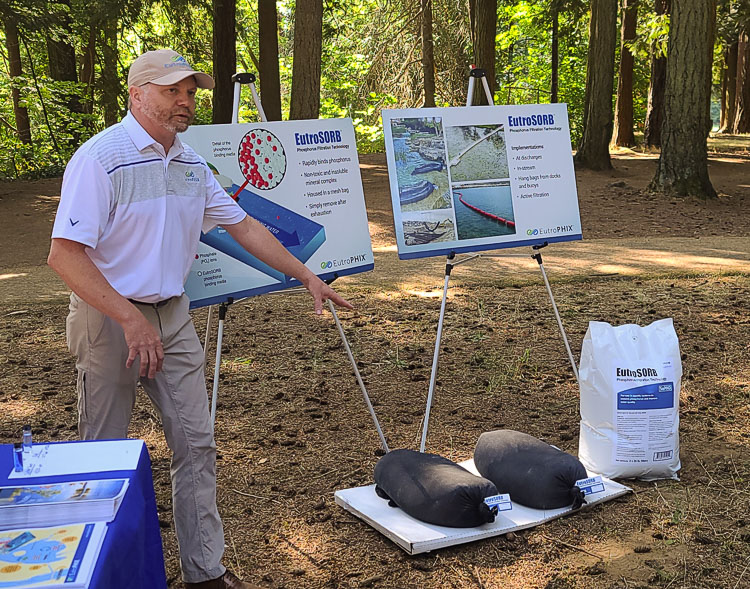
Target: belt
[155, 305]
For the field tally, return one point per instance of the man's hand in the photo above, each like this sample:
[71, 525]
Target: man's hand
[144, 342]
[259, 242]
[70, 260]
[321, 292]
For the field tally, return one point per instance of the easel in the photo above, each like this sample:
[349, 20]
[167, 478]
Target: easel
[249, 78]
[475, 74]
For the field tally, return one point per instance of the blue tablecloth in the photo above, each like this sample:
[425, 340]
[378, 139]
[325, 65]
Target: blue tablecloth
[131, 556]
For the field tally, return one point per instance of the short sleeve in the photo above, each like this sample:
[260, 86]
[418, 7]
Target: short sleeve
[221, 209]
[85, 201]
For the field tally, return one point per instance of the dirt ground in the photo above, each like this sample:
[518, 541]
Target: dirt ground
[292, 426]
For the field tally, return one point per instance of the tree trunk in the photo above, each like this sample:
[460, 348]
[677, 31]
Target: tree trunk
[21, 113]
[742, 100]
[683, 165]
[225, 59]
[60, 51]
[109, 78]
[655, 107]
[623, 133]
[268, 63]
[555, 65]
[61, 57]
[308, 46]
[484, 19]
[428, 54]
[729, 88]
[87, 68]
[593, 151]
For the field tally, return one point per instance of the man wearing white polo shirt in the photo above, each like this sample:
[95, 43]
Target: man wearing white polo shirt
[134, 201]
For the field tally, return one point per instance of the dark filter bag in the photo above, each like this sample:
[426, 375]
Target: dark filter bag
[433, 489]
[534, 473]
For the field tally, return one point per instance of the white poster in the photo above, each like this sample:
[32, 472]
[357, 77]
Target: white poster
[478, 178]
[301, 180]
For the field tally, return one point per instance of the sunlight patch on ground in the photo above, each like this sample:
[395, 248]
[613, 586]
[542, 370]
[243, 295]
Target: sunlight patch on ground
[305, 548]
[424, 294]
[726, 160]
[738, 380]
[385, 248]
[684, 261]
[523, 574]
[19, 409]
[7, 276]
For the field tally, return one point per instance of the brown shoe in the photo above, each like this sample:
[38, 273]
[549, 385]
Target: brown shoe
[227, 581]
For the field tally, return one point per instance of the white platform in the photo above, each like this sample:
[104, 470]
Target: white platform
[415, 536]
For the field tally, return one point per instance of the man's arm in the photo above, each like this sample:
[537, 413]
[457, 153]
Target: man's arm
[257, 240]
[70, 260]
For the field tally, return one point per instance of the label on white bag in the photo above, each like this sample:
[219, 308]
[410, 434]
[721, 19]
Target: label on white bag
[644, 411]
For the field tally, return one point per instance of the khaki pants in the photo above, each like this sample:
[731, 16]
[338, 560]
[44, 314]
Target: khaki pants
[106, 395]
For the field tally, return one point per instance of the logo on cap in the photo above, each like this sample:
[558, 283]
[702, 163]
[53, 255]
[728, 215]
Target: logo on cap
[177, 60]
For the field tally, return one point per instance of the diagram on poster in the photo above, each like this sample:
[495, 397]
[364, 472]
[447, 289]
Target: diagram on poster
[301, 180]
[472, 179]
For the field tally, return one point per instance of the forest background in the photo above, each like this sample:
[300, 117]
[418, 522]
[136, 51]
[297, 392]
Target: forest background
[64, 67]
[652, 78]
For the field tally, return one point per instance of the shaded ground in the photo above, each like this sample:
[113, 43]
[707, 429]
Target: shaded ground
[292, 427]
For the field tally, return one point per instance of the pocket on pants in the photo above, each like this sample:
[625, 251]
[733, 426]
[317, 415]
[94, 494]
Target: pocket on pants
[81, 390]
[95, 321]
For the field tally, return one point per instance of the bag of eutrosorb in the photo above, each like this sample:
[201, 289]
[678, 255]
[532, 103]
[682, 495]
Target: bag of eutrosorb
[630, 392]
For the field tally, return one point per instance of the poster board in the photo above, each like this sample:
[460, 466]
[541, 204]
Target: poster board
[301, 180]
[478, 178]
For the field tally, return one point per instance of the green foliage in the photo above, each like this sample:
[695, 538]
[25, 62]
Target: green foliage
[652, 36]
[371, 60]
[524, 44]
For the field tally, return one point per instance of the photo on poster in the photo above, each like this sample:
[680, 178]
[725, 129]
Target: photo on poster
[506, 177]
[419, 147]
[476, 152]
[262, 159]
[484, 210]
[428, 227]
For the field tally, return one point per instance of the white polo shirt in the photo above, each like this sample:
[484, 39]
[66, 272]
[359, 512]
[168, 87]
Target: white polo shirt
[140, 211]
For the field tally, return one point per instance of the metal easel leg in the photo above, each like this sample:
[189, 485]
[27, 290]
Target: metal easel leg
[359, 377]
[478, 73]
[208, 336]
[538, 257]
[217, 367]
[436, 354]
[245, 78]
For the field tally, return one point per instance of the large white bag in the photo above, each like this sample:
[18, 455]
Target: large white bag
[630, 392]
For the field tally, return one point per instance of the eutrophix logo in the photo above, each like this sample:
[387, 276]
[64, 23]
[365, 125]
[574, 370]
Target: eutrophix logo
[340, 263]
[550, 230]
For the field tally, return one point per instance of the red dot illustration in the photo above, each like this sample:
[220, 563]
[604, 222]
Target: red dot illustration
[261, 159]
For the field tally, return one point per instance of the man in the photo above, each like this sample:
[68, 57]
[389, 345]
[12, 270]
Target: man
[124, 238]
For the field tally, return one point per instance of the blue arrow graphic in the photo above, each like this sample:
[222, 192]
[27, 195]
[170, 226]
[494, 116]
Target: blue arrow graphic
[299, 235]
[287, 239]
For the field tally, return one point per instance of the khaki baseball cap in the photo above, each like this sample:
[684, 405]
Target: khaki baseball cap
[164, 67]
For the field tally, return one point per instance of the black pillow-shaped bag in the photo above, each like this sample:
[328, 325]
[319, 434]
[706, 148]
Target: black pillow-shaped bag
[433, 489]
[534, 473]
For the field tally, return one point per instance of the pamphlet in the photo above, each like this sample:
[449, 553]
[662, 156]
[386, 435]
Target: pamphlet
[61, 503]
[53, 557]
